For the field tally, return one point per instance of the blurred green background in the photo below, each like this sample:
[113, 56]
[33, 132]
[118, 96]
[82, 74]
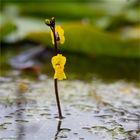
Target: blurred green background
[102, 36]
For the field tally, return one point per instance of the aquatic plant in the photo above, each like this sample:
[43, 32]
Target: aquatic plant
[58, 60]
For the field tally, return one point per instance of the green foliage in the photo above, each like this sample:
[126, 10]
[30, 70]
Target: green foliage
[46, 1]
[63, 11]
[90, 41]
[6, 27]
[81, 36]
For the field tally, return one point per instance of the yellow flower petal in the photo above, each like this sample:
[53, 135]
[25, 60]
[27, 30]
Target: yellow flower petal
[59, 32]
[58, 63]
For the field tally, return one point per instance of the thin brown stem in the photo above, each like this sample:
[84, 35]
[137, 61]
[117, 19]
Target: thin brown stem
[55, 42]
[57, 99]
[55, 80]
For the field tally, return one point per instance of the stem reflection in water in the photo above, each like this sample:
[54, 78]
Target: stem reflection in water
[59, 129]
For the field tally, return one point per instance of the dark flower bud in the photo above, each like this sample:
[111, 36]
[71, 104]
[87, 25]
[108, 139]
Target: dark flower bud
[47, 22]
[52, 20]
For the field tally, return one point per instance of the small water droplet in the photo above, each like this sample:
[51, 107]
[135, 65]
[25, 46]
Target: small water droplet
[22, 121]
[81, 138]
[7, 123]
[63, 136]
[68, 114]
[8, 116]
[87, 128]
[29, 115]
[75, 133]
[45, 114]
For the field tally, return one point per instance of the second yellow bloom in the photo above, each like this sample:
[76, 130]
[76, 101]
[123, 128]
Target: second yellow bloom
[58, 63]
[59, 33]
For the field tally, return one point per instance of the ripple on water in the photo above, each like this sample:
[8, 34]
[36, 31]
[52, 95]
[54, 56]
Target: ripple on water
[85, 119]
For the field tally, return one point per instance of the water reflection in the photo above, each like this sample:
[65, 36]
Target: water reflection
[20, 105]
[59, 130]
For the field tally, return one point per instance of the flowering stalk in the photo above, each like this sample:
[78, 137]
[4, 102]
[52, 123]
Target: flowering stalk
[58, 61]
[55, 43]
[55, 80]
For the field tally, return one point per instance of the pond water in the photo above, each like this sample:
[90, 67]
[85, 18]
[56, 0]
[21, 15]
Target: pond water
[101, 98]
[93, 110]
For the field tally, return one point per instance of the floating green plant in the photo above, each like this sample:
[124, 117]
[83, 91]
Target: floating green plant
[58, 60]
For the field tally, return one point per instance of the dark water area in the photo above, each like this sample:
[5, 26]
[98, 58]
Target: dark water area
[105, 67]
[78, 66]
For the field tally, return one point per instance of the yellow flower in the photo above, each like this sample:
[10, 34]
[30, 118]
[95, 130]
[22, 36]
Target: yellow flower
[23, 87]
[58, 63]
[59, 32]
